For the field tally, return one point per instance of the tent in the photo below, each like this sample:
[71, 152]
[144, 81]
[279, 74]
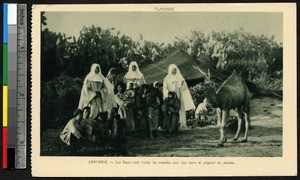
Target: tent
[158, 71]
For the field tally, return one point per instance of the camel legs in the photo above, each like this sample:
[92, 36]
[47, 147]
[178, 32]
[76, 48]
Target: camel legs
[240, 118]
[219, 115]
[247, 123]
[222, 126]
[246, 111]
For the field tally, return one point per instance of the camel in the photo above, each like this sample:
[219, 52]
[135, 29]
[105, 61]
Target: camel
[232, 94]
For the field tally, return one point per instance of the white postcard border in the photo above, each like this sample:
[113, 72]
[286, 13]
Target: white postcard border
[243, 166]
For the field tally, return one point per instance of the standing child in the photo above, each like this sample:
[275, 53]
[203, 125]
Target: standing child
[143, 113]
[120, 100]
[112, 122]
[120, 141]
[137, 105]
[159, 94]
[153, 104]
[172, 107]
[129, 106]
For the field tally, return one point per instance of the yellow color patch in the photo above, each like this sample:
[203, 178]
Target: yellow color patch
[5, 105]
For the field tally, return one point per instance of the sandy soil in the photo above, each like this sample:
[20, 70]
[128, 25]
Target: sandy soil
[265, 137]
[264, 140]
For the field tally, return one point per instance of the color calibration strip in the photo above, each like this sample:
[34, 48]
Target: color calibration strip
[14, 123]
[5, 88]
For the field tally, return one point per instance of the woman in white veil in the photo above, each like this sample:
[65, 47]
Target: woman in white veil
[175, 82]
[134, 75]
[97, 92]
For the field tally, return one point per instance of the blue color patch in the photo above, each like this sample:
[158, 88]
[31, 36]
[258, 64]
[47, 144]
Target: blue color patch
[5, 26]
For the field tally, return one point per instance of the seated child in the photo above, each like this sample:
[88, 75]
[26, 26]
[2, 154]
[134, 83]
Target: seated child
[101, 129]
[88, 123]
[112, 122]
[73, 129]
[201, 111]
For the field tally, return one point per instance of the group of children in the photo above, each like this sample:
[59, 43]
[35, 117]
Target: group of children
[139, 109]
[107, 129]
[144, 109]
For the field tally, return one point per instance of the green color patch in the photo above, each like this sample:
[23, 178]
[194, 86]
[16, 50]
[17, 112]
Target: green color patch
[5, 64]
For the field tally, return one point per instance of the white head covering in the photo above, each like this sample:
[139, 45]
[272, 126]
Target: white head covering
[92, 74]
[109, 74]
[155, 83]
[86, 95]
[170, 77]
[177, 84]
[133, 74]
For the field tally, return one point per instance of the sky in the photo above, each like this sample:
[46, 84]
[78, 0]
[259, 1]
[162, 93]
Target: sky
[163, 27]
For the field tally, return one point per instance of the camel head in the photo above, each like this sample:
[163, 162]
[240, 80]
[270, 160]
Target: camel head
[211, 97]
[212, 94]
[210, 89]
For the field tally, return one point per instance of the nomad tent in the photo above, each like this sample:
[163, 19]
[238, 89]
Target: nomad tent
[158, 71]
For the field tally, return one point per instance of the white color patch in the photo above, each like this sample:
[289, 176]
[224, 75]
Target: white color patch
[12, 14]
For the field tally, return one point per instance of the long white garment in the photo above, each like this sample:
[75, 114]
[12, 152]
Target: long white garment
[96, 83]
[201, 109]
[112, 79]
[177, 84]
[72, 127]
[135, 77]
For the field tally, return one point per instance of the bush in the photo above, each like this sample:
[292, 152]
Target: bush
[207, 121]
[273, 85]
[197, 93]
[259, 72]
[59, 98]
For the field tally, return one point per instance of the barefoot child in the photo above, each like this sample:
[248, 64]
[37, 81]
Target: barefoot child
[153, 104]
[172, 107]
[129, 106]
[73, 129]
[113, 117]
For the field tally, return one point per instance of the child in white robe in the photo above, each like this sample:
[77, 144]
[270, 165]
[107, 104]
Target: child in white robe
[73, 129]
[201, 111]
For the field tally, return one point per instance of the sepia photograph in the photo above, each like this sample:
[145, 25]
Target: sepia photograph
[160, 83]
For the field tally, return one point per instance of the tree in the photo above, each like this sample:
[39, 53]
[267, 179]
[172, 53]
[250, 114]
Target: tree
[53, 52]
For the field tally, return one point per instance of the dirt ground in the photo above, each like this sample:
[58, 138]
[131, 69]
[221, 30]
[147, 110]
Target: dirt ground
[264, 140]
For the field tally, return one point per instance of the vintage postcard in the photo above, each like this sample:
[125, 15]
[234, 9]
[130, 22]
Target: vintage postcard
[164, 90]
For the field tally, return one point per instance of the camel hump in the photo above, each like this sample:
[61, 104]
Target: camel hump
[233, 82]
